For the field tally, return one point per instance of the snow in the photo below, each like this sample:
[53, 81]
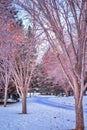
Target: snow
[41, 115]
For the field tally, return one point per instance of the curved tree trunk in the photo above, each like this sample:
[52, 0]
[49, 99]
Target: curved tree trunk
[24, 105]
[79, 113]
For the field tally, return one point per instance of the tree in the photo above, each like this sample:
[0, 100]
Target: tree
[23, 62]
[7, 21]
[5, 76]
[65, 26]
[19, 55]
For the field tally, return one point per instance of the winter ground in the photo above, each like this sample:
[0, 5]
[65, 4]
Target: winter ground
[44, 113]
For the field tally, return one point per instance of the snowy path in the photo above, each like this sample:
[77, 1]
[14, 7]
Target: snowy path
[45, 101]
[40, 116]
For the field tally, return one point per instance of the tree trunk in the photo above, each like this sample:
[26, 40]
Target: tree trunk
[24, 105]
[67, 93]
[5, 96]
[30, 95]
[79, 114]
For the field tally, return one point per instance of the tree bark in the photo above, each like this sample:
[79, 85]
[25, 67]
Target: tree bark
[79, 114]
[24, 105]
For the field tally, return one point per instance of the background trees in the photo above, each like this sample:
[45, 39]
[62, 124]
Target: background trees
[52, 68]
[38, 78]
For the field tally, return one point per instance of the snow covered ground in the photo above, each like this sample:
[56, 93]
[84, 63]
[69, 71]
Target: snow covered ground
[43, 114]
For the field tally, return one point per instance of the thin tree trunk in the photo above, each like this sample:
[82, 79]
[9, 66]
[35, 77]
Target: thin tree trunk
[24, 105]
[79, 114]
[5, 96]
